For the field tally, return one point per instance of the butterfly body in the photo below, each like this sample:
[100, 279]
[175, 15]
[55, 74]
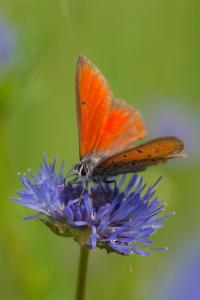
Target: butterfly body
[108, 127]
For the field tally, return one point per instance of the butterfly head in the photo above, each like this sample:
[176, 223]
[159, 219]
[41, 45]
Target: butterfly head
[82, 170]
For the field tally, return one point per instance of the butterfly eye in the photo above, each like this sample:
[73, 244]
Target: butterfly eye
[83, 171]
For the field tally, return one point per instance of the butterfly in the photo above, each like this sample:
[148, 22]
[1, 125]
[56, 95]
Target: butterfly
[107, 128]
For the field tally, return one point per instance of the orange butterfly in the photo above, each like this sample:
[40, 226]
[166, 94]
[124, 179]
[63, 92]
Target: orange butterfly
[107, 128]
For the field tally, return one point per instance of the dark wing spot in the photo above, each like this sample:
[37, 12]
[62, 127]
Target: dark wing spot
[112, 161]
[157, 150]
[139, 150]
[124, 155]
[83, 102]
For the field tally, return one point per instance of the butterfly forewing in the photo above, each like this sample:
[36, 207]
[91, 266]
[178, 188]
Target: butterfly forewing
[105, 125]
[139, 158]
[93, 99]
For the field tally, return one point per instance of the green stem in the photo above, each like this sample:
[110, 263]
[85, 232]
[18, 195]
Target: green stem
[82, 273]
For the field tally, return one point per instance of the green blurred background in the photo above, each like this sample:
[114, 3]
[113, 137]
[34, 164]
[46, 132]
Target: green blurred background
[150, 53]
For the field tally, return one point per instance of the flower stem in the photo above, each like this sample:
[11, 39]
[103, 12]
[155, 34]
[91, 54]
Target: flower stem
[82, 273]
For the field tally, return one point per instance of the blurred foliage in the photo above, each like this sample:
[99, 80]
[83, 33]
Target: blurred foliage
[148, 50]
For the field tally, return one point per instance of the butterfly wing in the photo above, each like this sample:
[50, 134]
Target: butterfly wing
[93, 101]
[139, 158]
[105, 125]
[122, 127]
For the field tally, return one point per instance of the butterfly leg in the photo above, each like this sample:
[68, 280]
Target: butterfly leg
[102, 187]
[86, 187]
[111, 181]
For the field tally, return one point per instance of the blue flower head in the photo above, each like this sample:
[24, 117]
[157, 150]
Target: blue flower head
[119, 220]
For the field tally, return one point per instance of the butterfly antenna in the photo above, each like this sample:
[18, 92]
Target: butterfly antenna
[69, 174]
[43, 180]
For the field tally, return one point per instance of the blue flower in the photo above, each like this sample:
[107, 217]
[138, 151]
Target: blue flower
[119, 220]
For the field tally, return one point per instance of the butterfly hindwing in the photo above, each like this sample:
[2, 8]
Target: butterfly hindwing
[139, 158]
[122, 127]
